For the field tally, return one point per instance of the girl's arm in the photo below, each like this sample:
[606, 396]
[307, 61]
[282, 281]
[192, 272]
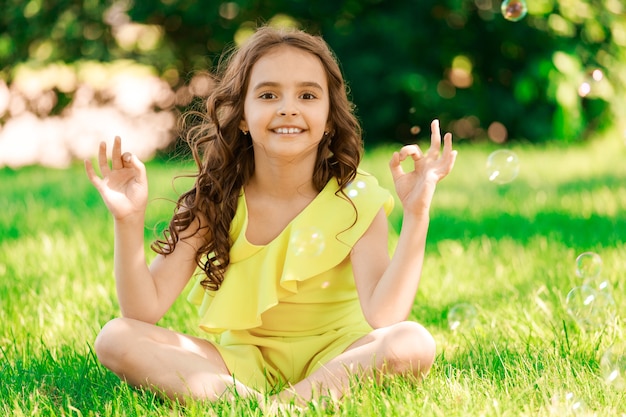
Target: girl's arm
[144, 293]
[387, 287]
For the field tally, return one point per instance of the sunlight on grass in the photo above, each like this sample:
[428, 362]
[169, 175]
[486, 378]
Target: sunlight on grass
[508, 250]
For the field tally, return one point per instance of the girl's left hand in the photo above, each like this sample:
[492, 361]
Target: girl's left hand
[416, 188]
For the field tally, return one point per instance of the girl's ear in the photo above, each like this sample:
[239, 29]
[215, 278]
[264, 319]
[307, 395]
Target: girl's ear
[243, 126]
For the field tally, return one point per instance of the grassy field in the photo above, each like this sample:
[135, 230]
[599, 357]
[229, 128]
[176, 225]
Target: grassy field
[506, 250]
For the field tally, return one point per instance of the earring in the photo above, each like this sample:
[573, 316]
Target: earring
[326, 133]
[244, 131]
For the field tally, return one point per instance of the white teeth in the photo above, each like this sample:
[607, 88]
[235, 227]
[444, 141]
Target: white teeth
[287, 130]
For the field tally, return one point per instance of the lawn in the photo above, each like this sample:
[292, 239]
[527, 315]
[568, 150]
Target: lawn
[505, 252]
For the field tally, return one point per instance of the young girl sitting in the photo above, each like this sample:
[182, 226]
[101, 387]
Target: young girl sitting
[290, 237]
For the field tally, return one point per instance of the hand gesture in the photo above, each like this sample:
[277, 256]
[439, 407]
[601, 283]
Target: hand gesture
[123, 186]
[416, 188]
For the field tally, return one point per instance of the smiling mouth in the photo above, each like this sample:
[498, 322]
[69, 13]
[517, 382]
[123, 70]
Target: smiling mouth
[287, 130]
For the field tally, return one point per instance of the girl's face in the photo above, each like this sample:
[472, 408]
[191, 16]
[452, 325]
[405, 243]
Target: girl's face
[287, 104]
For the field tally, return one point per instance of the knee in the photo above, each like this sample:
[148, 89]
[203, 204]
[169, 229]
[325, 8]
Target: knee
[110, 342]
[410, 348]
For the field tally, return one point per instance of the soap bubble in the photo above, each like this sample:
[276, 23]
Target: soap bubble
[462, 316]
[573, 403]
[604, 296]
[308, 241]
[502, 166]
[588, 265]
[567, 404]
[613, 367]
[514, 10]
[589, 307]
[605, 302]
[356, 188]
[605, 287]
[580, 304]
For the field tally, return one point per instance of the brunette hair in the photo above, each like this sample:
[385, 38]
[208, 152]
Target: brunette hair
[224, 155]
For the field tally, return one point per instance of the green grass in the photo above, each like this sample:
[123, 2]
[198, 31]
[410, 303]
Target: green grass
[508, 250]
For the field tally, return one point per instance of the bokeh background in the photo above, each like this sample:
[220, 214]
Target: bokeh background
[519, 329]
[76, 72]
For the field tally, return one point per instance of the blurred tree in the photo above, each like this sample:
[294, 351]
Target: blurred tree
[557, 74]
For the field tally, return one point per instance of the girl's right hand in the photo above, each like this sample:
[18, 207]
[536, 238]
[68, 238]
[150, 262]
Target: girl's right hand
[124, 185]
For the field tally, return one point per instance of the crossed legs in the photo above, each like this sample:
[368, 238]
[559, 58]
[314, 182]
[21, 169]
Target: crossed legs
[405, 348]
[176, 365]
[182, 366]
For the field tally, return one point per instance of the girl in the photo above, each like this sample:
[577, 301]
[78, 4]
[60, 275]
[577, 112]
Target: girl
[291, 239]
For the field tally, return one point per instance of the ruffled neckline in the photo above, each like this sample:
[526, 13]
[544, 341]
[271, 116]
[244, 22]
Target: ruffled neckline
[313, 243]
[243, 205]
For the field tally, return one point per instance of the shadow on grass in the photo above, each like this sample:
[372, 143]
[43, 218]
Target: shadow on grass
[558, 222]
[578, 232]
[498, 212]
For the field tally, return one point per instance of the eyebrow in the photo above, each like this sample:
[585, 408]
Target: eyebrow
[273, 84]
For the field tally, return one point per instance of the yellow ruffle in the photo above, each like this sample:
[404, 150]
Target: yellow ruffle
[316, 241]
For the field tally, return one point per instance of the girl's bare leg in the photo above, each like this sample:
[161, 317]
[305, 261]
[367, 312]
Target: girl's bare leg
[174, 364]
[403, 348]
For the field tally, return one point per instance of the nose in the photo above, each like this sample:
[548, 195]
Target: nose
[288, 108]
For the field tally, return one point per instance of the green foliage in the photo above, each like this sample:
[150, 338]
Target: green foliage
[509, 250]
[407, 61]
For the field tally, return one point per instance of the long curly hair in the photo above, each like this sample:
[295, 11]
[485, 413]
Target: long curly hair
[224, 155]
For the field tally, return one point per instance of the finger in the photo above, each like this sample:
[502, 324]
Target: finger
[448, 165]
[131, 161]
[116, 156]
[127, 159]
[91, 174]
[449, 156]
[395, 167]
[453, 155]
[447, 143]
[435, 138]
[103, 163]
[411, 150]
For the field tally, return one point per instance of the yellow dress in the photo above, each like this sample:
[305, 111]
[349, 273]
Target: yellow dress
[286, 308]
